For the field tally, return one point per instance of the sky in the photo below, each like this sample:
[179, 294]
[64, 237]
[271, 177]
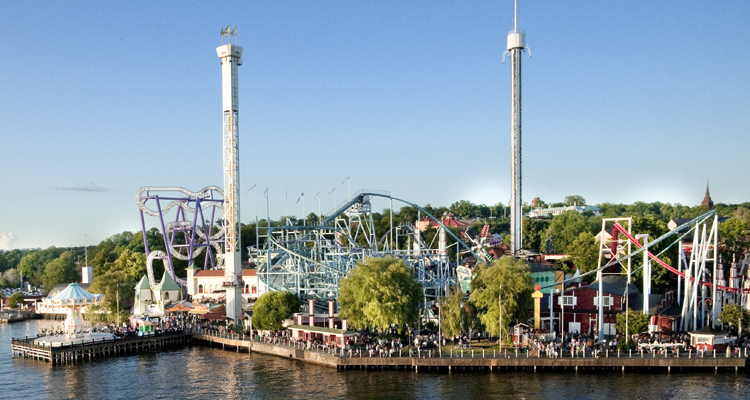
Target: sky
[622, 102]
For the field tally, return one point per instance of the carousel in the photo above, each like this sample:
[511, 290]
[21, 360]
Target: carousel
[73, 298]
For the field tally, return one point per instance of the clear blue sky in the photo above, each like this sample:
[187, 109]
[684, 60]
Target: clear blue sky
[622, 101]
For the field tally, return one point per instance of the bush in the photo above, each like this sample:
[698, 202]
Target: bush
[14, 299]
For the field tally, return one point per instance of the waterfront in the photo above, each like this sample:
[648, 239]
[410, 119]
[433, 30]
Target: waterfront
[202, 372]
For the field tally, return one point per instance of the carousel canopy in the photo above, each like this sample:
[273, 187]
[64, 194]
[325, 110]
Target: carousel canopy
[74, 295]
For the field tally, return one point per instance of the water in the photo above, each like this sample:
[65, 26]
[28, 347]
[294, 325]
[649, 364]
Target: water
[201, 372]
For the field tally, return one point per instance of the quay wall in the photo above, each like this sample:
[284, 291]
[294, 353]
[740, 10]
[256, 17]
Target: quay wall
[482, 363]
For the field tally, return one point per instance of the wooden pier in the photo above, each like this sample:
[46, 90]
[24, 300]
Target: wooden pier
[480, 362]
[97, 348]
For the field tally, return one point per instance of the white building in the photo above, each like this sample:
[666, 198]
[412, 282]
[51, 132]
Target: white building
[155, 301]
[208, 283]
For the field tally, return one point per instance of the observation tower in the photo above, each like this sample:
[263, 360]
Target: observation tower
[516, 45]
[231, 58]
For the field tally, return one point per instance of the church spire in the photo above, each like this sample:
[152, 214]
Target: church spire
[707, 202]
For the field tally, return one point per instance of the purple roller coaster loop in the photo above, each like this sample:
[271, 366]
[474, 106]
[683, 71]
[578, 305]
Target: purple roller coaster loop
[169, 240]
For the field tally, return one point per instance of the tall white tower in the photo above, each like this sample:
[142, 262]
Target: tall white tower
[516, 45]
[231, 57]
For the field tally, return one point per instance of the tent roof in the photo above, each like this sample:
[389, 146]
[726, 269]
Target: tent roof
[73, 291]
[143, 284]
[167, 283]
[74, 295]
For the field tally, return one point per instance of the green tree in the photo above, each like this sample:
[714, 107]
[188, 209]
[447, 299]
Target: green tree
[735, 238]
[272, 308]
[637, 322]
[584, 252]
[514, 276]
[565, 229]
[15, 299]
[380, 292]
[735, 316]
[463, 209]
[114, 284]
[742, 214]
[60, 270]
[12, 277]
[453, 314]
[574, 200]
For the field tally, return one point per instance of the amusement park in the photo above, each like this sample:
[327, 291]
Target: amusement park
[413, 286]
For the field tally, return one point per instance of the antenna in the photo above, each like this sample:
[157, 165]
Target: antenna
[515, 17]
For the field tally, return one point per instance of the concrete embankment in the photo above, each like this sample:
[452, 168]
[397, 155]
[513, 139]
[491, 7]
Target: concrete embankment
[491, 364]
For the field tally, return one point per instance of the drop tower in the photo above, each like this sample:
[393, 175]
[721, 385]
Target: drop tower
[231, 58]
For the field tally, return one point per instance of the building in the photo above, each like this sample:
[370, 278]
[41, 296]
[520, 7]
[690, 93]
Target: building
[707, 203]
[208, 283]
[578, 308]
[550, 212]
[448, 219]
[154, 301]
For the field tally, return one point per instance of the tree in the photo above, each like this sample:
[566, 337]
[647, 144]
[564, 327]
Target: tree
[565, 229]
[735, 238]
[584, 252]
[514, 276]
[735, 316]
[575, 200]
[453, 314]
[12, 277]
[112, 283]
[637, 322]
[15, 299]
[378, 293]
[273, 308]
[60, 270]
[463, 209]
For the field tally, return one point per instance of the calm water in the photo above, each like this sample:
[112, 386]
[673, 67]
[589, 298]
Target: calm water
[199, 373]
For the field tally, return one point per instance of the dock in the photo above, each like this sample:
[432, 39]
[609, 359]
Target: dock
[89, 350]
[478, 361]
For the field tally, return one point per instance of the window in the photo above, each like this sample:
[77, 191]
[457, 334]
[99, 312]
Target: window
[567, 301]
[255, 290]
[607, 300]
[200, 288]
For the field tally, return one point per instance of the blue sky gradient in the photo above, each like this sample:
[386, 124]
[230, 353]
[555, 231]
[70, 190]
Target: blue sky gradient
[622, 102]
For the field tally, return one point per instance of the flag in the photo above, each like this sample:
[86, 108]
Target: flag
[234, 31]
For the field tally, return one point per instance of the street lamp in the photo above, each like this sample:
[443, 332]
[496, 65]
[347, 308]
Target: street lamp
[500, 318]
[257, 239]
[440, 328]
[334, 197]
[348, 187]
[319, 215]
[118, 305]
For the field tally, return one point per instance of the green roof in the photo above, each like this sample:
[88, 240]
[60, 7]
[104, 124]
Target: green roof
[320, 329]
[167, 283]
[143, 284]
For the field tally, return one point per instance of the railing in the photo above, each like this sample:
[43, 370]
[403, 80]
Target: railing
[29, 342]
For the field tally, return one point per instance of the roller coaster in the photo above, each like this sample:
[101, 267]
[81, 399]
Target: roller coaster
[308, 260]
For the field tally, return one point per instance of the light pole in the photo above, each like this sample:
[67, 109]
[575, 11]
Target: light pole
[257, 240]
[118, 305]
[440, 329]
[348, 188]
[334, 198]
[304, 218]
[500, 318]
[318, 196]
